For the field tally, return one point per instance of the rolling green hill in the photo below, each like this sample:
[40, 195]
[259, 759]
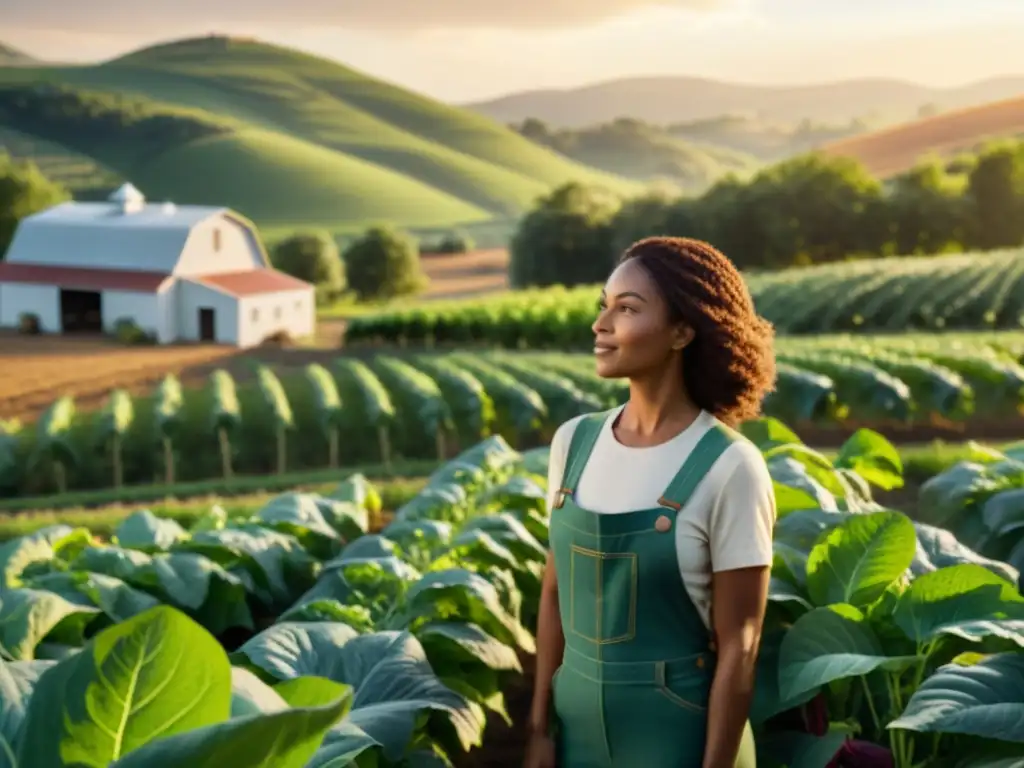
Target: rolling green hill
[637, 150]
[301, 141]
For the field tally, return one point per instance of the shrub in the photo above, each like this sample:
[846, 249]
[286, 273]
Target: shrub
[313, 257]
[454, 242]
[28, 323]
[127, 331]
[384, 263]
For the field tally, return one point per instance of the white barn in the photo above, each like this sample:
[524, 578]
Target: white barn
[182, 273]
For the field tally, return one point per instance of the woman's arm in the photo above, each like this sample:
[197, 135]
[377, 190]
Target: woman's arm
[739, 598]
[740, 542]
[550, 647]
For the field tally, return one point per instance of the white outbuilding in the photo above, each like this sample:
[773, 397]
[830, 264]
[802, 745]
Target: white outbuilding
[181, 273]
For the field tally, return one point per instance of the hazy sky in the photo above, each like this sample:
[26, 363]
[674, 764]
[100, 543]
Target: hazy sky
[466, 49]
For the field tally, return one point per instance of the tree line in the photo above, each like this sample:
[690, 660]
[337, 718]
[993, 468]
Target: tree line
[811, 209]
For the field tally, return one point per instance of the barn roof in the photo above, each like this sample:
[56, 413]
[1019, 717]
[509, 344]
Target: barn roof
[125, 232]
[82, 278]
[252, 282]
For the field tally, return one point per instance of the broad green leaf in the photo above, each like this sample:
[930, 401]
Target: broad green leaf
[768, 701]
[393, 681]
[213, 519]
[342, 745]
[938, 548]
[509, 531]
[300, 515]
[781, 591]
[29, 615]
[967, 601]
[789, 499]
[117, 600]
[123, 564]
[17, 554]
[287, 650]
[17, 681]
[429, 533]
[196, 584]
[145, 531]
[767, 432]
[461, 593]
[985, 699]
[285, 739]
[371, 545]
[872, 457]
[311, 691]
[359, 491]
[348, 519]
[828, 644]
[151, 677]
[250, 695]
[789, 473]
[280, 568]
[328, 610]
[452, 646]
[858, 559]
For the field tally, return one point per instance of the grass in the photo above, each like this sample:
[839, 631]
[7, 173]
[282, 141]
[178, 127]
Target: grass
[318, 144]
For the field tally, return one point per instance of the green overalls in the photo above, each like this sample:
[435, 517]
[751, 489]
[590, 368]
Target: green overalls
[633, 687]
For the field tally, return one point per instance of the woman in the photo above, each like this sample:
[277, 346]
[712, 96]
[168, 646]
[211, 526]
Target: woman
[661, 529]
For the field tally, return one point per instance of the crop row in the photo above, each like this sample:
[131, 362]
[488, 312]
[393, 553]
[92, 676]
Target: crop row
[427, 406]
[970, 292]
[300, 639]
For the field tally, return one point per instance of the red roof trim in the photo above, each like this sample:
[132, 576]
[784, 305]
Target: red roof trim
[83, 278]
[252, 282]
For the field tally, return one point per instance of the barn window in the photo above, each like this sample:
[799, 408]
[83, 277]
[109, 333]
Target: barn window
[277, 313]
[298, 306]
[216, 239]
[255, 314]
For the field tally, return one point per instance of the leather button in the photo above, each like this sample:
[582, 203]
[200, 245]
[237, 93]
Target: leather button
[662, 524]
[700, 662]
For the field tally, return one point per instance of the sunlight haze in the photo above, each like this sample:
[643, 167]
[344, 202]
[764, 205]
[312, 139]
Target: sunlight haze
[460, 50]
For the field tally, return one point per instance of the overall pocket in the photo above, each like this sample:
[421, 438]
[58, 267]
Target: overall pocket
[603, 595]
[687, 690]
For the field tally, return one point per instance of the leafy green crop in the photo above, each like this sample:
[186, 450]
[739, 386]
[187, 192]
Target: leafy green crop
[303, 636]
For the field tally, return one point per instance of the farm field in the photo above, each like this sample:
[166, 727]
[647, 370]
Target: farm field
[306, 410]
[267, 119]
[890, 151]
[971, 292]
[420, 629]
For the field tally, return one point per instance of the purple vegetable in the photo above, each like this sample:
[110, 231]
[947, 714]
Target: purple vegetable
[862, 754]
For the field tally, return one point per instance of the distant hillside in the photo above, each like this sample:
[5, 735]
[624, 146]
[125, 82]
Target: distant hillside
[665, 100]
[893, 150]
[12, 57]
[300, 140]
[766, 140]
[645, 152]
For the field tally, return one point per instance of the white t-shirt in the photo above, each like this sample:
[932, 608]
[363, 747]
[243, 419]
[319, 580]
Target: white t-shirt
[727, 522]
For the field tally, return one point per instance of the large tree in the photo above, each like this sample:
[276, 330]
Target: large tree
[313, 257]
[24, 190]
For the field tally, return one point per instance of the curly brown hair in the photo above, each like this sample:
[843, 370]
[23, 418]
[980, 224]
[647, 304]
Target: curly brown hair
[729, 366]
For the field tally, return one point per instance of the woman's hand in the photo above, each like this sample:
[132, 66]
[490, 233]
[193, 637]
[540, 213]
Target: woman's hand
[540, 751]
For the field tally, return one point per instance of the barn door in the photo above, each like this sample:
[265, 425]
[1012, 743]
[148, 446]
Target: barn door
[207, 324]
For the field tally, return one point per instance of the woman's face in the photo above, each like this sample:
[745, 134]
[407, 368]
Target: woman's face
[633, 333]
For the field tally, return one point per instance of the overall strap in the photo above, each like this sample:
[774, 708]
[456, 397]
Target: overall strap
[584, 438]
[704, 455]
